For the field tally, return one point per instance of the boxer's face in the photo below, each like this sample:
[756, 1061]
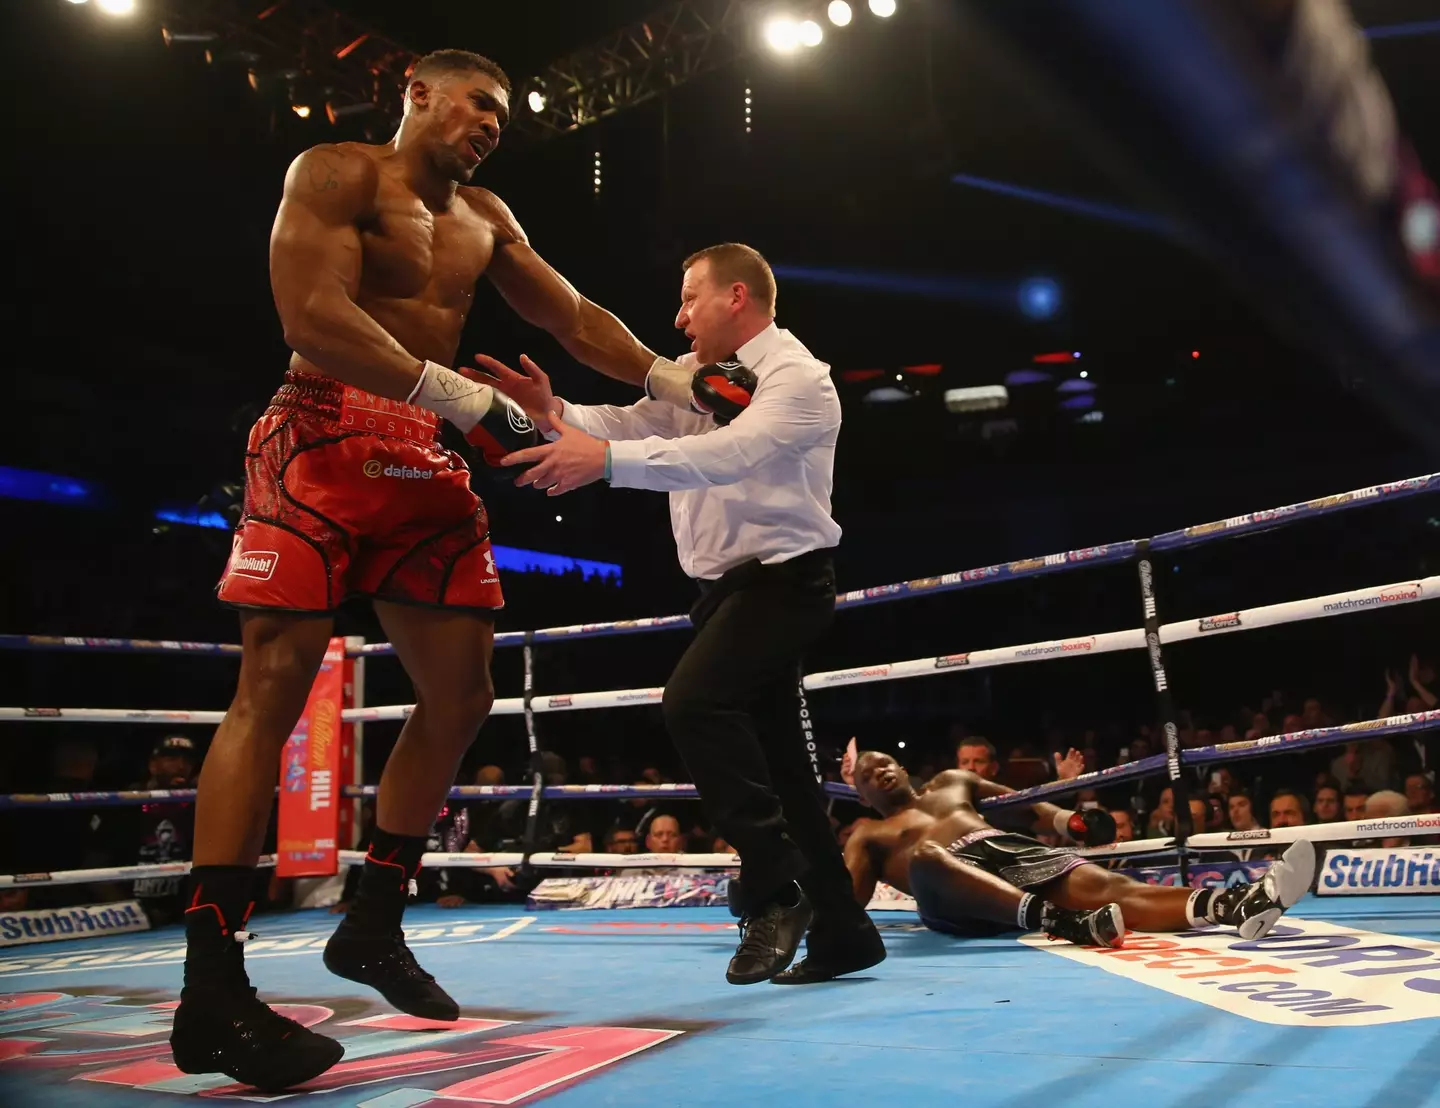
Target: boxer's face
[707, 313]
[462, 116]
[880, 780]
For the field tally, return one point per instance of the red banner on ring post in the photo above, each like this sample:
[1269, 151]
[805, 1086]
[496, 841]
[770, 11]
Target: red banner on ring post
[311, 776]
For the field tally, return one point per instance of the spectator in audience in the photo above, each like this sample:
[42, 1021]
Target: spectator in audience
[1242, 812]
[1313, 714]
[1199, 816]
[1288, 808]
[1219, 816]
[1327, 804]
[1369, 764]
[1222, 782]
[166, 829]
[1162, 819]
[622, 840]
[1124, 825]
[1419, 794]
[978, 756]
[1388, 804]
[1260, 726]
[663, 835]
[722, 847]
[1292, 723]
[1355, 798]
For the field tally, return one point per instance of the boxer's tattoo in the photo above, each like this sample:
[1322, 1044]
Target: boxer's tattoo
[321, 183]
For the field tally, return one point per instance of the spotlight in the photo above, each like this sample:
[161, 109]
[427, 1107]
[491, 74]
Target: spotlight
[1194, 353]
[302, 110]
[883, 8]
[116, 7]
[810, 33]
[782, 35]
[172, 37]
[559, 519]
[536, 100]
[900, 745]
[1039, 298]
[336, 112]
[1084, 374]
[79, 1]
[839, 13]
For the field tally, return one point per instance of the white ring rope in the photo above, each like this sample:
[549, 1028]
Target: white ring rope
[1381, 827]
[357, 857]
[1247, 619]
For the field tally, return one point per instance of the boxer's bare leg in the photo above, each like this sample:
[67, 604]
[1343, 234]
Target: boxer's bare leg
[220, 1026]
[280, 655]
[1146, 907]
[447, 657]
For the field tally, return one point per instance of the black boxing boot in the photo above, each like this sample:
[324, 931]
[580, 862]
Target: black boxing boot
[369, 945]
[221, 1026]
[1100, 927]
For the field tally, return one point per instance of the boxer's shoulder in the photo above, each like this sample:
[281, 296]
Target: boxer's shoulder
[494, 211]
[340, 171]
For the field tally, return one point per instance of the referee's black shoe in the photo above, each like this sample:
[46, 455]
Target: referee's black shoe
[770, 936]
[834, 952]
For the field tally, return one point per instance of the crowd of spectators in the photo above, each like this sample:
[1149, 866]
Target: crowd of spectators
[1363, 779]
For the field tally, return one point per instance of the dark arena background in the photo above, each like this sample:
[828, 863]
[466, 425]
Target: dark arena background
[1133, 309]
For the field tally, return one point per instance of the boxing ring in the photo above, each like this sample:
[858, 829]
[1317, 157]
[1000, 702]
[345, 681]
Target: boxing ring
[628, 1007]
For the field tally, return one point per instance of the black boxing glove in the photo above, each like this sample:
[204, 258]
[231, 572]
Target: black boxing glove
[490, 421]
[723, 389]
[1090, 826]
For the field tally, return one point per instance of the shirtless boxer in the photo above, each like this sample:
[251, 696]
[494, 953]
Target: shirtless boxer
[374, 257]
[969, 878]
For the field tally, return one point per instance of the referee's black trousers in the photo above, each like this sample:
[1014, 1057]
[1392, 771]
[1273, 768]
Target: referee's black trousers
[737, 714]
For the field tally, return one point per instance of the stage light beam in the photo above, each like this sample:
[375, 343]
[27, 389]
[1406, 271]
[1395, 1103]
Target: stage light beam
[810, 33]
[116, 7]
[839, 13]
[782, 34]
[882, 8]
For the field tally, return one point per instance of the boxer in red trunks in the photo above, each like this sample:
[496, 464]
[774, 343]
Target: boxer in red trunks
[373, 260]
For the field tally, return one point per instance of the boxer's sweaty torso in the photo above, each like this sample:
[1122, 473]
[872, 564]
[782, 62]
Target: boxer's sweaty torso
[418, 267]
[942, 813]
[349, 493]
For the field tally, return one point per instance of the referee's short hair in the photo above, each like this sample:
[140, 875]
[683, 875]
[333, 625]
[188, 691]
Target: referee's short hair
[732, 262]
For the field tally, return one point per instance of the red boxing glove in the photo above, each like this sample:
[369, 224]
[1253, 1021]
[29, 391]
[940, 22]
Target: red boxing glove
[1091, 826]
[723, 389]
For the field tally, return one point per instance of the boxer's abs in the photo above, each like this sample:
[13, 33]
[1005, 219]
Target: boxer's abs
[940, 829]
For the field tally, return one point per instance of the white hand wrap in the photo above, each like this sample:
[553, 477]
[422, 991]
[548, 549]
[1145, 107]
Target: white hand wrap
[449, 394]
[670, 381]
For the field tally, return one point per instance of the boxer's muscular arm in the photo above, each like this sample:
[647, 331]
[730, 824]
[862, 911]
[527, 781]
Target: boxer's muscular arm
[860, 864]
[543, 298]
[315, 274]
[981, 789]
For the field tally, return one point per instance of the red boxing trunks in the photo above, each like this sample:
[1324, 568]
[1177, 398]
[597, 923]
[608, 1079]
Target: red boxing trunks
[350, 494]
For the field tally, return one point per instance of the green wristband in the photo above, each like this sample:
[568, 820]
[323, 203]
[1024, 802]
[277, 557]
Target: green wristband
[607, 461]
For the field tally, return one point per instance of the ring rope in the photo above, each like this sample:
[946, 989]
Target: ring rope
[1196, 535]
[1246, 619]
[1389, 827]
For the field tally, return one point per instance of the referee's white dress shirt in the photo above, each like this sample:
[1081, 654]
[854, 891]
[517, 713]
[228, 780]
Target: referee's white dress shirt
[757, 488]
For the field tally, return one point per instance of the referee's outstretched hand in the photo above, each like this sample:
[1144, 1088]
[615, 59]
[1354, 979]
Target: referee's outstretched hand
[572, 460]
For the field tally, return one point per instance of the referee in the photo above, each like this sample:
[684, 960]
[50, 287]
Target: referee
[749, 493]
